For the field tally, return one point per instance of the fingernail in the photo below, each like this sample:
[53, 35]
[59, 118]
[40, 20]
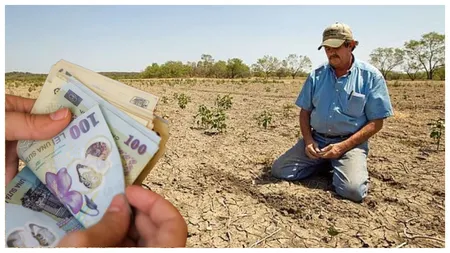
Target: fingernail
[60, 114]
[118, 203]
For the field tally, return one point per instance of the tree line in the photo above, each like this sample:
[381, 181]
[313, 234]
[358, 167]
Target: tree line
[416, 60]
[268, 66]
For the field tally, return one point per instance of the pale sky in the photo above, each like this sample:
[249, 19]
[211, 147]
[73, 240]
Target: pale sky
[129, 38]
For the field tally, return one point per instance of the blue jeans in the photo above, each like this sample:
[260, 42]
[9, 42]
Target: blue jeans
[350, 175]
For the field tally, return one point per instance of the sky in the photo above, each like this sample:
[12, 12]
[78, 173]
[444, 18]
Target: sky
[129, 38]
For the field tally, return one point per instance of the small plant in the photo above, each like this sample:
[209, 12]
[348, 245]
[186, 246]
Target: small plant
[164, 99]
[213, 119]
[332, 231]
[183, 100]
[203, 116]
[264, 119]
[267, 89]
[224, 102]
[437, 129]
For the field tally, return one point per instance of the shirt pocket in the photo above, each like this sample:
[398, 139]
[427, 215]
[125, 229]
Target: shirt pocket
[355, 104]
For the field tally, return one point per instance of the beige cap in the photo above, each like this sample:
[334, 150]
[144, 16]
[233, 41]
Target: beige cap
[336, 34]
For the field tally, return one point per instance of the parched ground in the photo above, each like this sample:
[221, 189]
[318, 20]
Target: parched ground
[222, 184]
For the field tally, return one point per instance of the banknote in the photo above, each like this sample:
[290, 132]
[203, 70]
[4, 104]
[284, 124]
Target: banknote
[66, 78]
[81, 166]
[136, 143]
[138, 104]
[34, 216]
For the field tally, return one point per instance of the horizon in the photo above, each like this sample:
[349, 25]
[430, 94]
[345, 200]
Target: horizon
[130, 38]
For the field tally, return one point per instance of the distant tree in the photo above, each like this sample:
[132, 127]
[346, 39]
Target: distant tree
[428, 51]
[219, 70]
[297, 64]
[192, 68]
[282, 70]
[152, 71]
[268, 65]
[386, 59]
[411, 68]
[172, 69]
[236, 68]
[257, 71]
[205, 65]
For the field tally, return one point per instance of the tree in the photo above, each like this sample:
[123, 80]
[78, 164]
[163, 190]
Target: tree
[267, 64]
[219, 69]
[429, 52]
[282, 70]
[297, 64]
[386, 59]
[257, 70]
[205, 65]
[192, 68]
[152, 71]
[173, 69]
[412, 68]
[236, 68]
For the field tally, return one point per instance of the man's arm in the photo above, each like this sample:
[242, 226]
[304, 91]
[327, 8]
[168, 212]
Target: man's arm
[311, 148]
[334, 151]
[305, 126]
[362, 135]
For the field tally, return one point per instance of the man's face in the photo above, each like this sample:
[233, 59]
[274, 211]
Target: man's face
[339, 57]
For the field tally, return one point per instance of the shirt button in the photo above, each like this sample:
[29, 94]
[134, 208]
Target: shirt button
[336, 90]
[330, 116]
[329, 130]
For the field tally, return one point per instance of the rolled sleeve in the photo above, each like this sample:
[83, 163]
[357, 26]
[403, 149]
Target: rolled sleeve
[378, 104]
[304, 99]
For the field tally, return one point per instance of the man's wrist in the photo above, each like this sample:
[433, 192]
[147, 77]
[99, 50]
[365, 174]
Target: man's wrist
[345, 145]
[308, 140]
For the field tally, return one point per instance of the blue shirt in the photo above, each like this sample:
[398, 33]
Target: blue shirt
[342, 106]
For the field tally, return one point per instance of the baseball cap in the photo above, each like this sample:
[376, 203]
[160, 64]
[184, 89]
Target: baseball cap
[336, 34]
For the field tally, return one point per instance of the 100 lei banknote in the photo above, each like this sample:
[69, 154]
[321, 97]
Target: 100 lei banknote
[81, 166]
[136, 143]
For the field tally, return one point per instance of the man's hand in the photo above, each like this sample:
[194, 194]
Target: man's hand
[332, 151]
[21, 125]
[156, 223]
[312, 150]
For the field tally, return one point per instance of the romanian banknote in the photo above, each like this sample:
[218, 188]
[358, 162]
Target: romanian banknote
[35, 217]
[81, 166]
[138, 104]
[136, 143]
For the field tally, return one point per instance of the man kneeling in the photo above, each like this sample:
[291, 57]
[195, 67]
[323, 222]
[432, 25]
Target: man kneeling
[343, 103]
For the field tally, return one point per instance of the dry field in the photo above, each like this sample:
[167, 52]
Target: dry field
[222, 185]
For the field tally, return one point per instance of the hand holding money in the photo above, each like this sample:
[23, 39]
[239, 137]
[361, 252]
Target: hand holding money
[76, 172]
[21, 125]
[156, 223]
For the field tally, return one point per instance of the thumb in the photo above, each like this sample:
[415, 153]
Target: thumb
[108, 232]
[25, 126]
[316, 147]
[327, 148]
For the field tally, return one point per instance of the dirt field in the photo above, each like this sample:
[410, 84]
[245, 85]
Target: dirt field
[222, 184]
